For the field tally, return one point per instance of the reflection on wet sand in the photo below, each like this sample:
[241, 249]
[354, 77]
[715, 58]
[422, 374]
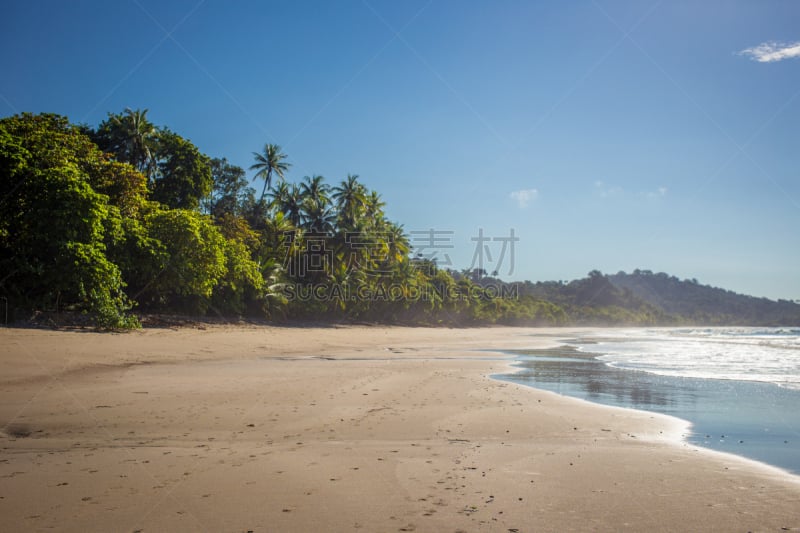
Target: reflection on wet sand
[757, 420]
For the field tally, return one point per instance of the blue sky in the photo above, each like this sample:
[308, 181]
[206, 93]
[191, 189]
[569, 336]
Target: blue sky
[609, 135]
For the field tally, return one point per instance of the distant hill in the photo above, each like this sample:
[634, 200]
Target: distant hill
[645, 298]
[595, 300]
[704, 304]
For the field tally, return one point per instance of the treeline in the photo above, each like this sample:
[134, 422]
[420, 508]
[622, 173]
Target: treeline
[125, 218]
[128, 217]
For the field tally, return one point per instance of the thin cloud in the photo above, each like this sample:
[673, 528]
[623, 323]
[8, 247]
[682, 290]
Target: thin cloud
[658, 193]
[772, 51]
[524, 196]
[606, 191]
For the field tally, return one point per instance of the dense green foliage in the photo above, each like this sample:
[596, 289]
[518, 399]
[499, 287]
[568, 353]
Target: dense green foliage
[130, 215]
[54, 227]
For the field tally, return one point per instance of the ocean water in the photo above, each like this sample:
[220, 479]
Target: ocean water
[769, 355]
[739, 387]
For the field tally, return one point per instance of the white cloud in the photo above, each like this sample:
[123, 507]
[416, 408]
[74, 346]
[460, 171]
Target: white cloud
[605, 190]
[524, 196]
[772, 51]
[658, 193]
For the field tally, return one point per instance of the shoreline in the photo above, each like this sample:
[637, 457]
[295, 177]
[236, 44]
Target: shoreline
[680, 427]
[351, 428]
[758, 415]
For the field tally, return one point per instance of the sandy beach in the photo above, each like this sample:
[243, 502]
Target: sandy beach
[245, 428]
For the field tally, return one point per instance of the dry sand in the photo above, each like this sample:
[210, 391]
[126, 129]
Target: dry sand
[336, 429]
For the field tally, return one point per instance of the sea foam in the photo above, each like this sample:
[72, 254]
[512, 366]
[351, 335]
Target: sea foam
[769, 355]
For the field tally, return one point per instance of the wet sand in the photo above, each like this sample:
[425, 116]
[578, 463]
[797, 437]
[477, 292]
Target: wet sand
[753, 419]
[233, 428]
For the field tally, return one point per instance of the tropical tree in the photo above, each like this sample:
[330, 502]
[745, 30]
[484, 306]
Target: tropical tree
[289, 201]
[184, 173]
[131, 137]
[277, 239]
[278, 195]
[314, 188]
[398, 244]
[241, 287]
[270, 161]
[193, 259]
[318, 216]
[54, 227]
[230, 193]
[350, 197]
[373, 207]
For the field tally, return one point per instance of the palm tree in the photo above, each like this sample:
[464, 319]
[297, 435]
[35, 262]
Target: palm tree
[290, 203]
[278, 195]
[374, 207]
[132, 139]
[318, 217]
[314, 189]
[278, 235]
[351, 197]
[269, 161]
[399, 247]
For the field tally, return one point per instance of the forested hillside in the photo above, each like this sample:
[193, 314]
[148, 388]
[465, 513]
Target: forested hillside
[704, 304]
[644, 298]
[595, 300]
